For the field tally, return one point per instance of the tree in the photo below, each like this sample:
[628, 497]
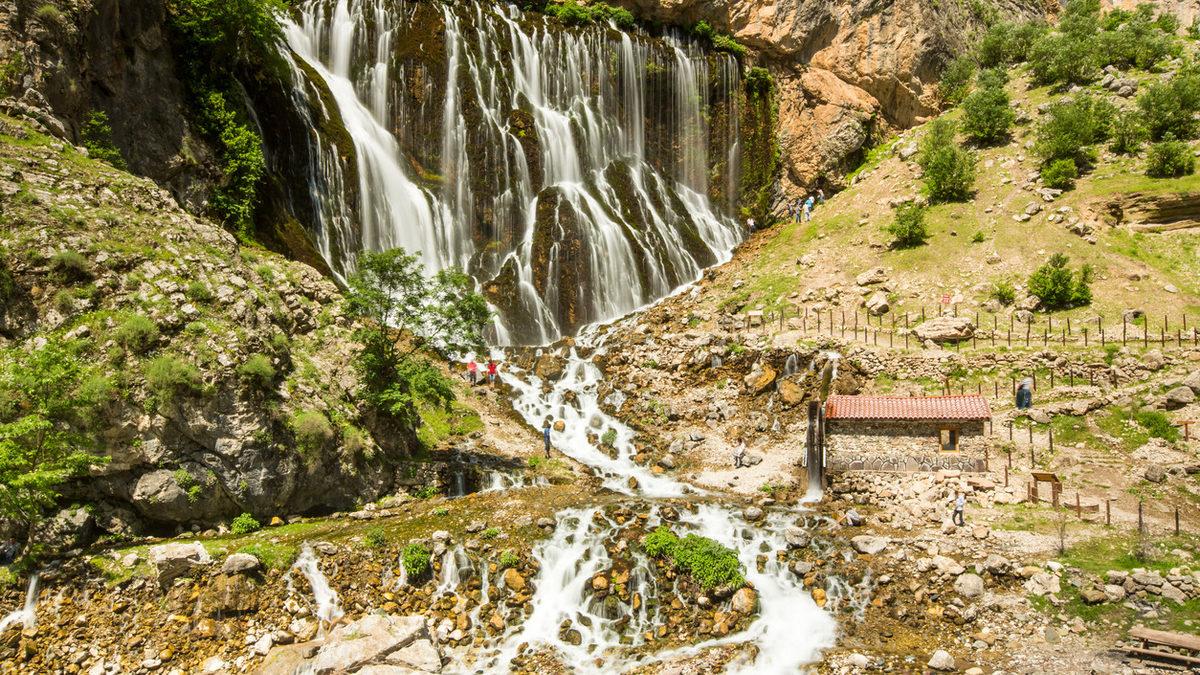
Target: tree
[987, 112]
[949, 171]
[1072, 127]
[1058, 287]
[1170, 107]
[956, 80]
[908, 228]
[391, 292]
[229, 32]
[43, 405]
[1170, 158]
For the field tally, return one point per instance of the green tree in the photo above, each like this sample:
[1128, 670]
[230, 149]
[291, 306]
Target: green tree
[948, 170]
[987, 112]
[1170, 107]
[1128, 133]
[1060, 174]
[1170, 158]
[96, 136]
[392, 294]
[228, 32]
[1058, 287]
[956, 80]
[907, 228]
[1072, 127]
[44, 405]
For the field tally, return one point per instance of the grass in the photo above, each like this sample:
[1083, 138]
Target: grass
[1119, 552]
[438, 424]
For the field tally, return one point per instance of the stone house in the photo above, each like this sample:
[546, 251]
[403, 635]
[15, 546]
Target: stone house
[906, 433]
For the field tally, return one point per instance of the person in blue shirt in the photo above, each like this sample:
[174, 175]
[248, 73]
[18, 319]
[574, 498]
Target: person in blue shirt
[546, 436]
[808, 207]
[960, 505]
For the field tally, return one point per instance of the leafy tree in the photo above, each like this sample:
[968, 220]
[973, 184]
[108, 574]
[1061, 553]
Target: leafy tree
[1128, 133]
[956, 80]
[96, 136]
[1170, 158]
[43, 410]
[1060, 174]
[1071, 128]
[228, 32]
[1058, 287]
[949, 171]
[987, 112]
[908, 228]
[995, 45]
[1170, 107]
[391, 292]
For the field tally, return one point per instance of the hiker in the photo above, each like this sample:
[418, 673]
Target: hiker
[739, 455]
[808, 207]
[546, 436]
[960, 503]
[749, 226]
[491, 368]
[473, 372]
[820, 196]
[1025, 395]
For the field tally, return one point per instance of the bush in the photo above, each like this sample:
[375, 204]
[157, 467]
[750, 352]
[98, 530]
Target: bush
[508, 559]
[168, 376]
[376, 538]
[1003, 293]
[12, 71]
[949, 171]
[709, 563]
[1060, 174]
[719, 41]
[313, 431]
[1170, 159]
[1128, 133]
[244, 524]
[96, 136]
[490, 533]
[257, 372]
[907, 228]
[1057, 287]
[243, 163]
[994, 47]
[609, 438]
[979, 237]
[1072, 127]
[199, 292]
[956, 80]
[1170, 107]
[415, 559]
[1157, 424]
[1061, 58]
[69, 267]
[987, 112]
[137, 334]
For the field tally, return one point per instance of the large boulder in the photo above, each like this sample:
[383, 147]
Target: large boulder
[68, 529]
[745, 601]
[761, 376]
[1193, 381]
[376, 643]
[969, 585]
[1179, 397]
[174, 560]
[869, 545]
[941, 660]
[876, 275]
[1043, 583]
[946, 329]
[877, 304]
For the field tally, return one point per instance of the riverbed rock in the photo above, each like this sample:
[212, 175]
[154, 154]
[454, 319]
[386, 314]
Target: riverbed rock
[761, 376]
[240, 563]
[513, 580]
[790, 393]
[946, 329]
[941, 660]
[376, 643]
[869, 545]
[969, 585]
[753, 514]
[175, 560]
[745, 601]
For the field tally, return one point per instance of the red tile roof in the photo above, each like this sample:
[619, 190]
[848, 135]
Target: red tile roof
[840, 407]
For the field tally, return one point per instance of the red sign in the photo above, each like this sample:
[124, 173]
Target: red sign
[945, 298]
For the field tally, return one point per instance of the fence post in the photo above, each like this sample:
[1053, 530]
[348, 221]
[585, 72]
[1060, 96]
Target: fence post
[1124, 327]
[1176, 521]
[1050, 431]
[1078, 507]
[1108, 512]
[1141, 523]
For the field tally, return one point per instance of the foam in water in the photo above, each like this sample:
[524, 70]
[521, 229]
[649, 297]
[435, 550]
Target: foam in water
[27, 614]
[328, 608]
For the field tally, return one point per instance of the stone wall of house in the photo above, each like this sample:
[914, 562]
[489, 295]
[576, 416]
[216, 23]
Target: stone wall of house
[903, 446]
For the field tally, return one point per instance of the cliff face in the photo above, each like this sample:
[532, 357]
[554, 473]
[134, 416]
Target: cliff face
[848, 72]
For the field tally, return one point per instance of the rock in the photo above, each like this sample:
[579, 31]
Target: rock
[1114, 593]
[760, 377]
[240, 563]
[174, 560]
[969, 585]
[1173, 594]
[68, 529]
[1051, 635]
[790, 393]
[877, 304]
[229, 594]
[869, 545]
[1155, 473]
[859, 661]
[1193, 381]
[907, 151]
[1153, 360]
[372, 644]
[1043, 583]
[1093, 596]
[947, 566]
[545, 522]
[560, 426]
[875, 275]
[1179, 397]
[476, 526]
[599, 583]
[745, 601]
[946, 329]
[667, 461]
[941, 660]
[753, 514]
[513, 580]
[796, 537]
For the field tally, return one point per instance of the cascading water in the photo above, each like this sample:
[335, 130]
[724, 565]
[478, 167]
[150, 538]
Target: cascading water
[576, 173]
[327, 606]
[27, 614]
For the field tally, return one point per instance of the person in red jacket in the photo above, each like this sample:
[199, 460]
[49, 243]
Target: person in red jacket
[492, 367]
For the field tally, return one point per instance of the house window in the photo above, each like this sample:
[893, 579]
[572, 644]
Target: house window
[949, 440]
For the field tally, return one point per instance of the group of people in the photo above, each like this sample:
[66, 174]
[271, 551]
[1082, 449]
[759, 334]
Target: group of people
[801, 208]
[473, 372]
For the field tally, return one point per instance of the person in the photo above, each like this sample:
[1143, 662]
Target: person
[820, 196]
[749, 226]
[960, 504]
[739, 455]
[546, 436]
[491, 368]
[473, 372]
[808, 207]
[1025, 395]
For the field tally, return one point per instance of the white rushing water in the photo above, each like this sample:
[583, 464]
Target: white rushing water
[27, 614]
[789, 632]
[570, 166]
[326, 604]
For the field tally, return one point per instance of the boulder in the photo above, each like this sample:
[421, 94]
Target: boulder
[175, 560]
[1179, 397]
[946, 329]
[1093, 596]
[1193, 381]
[941, 660]
[753, 514]
[68, 529]
[969, 585]
[876, 275]
[229, 594]
[376, 643]
[877, 304]
[240, 563]
[760, 377]
[1156, 473]
[1043, 583]
[869, 545]
[796, 537]
[513, 580]
[745, 601]
[790, 393]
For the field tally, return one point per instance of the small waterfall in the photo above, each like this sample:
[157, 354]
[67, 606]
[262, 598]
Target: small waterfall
[460, 484]
[328, 608]
[454, 562]
[27, 615]
[791, 366]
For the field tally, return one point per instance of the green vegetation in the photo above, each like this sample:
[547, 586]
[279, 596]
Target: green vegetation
[391, 291]
[1003, 293]
[490, 533]
[508, 559]
[987, 112]
[44, 409]
[69, 267]
[426, 492]
[719, 41]
[1072, 127]
[1060, 174]
[416, 561]
[243, 163]
[572, 13]
[1121, 552]
[137, 334]
[908, 228]
[257, 372]
[949, 170]
[12, 70]
[956, 80]
[313, 432]
[375, 538]
[609, 438]
[1170, 158]
[709, 563]
[168, 377]
[1128, 133]
[762, 160]
[1169, 108]
[1058, 287]
[189, 484]
[244, 524]
[96, 136]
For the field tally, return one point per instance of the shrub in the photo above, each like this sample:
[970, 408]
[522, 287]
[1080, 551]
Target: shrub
[490, 533]
[508, 559]
[907, 228]
[1057, 287]
[956, 80]
[1157, 424]
[69, 267]
[1072, 127]
[137, 334]
[11, 71]
[987, 113]
[994, 47]
[96, 136]
[709, 563]
[50, 15]
[168, 376]
[609, 438]
[242, 162]
[199, 292]
[949, 171]
[1170, 107]
[312, 430]
[1170, 158]
[375, 538]
[1060, 174]
[415, 559]
[1003, 293]
[244, 524]
[257, 372]
[1063, 58]
[978, 237]
[1128, 133]
[719, 41]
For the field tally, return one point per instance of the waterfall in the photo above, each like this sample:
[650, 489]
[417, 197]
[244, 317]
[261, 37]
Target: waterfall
[328, 608]
[27, 614]
[569, 170]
